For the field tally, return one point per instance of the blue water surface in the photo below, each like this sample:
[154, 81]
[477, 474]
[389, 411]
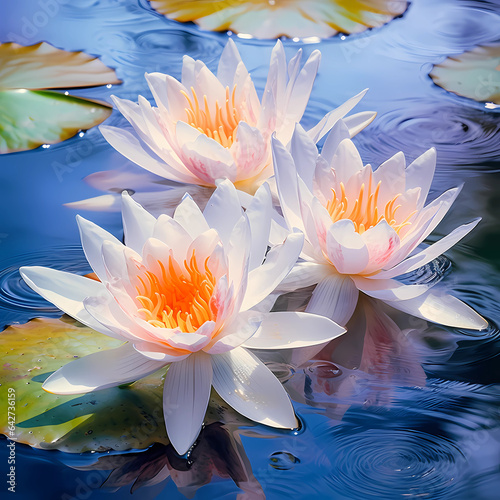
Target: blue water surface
[421, 417]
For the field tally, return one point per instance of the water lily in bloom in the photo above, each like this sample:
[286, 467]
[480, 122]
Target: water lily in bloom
[181, 293]
[362, 228]
[206, 127]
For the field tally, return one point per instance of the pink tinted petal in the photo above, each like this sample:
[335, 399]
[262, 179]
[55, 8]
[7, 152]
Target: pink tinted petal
[346, 249]
[160, 352]
[382, 241]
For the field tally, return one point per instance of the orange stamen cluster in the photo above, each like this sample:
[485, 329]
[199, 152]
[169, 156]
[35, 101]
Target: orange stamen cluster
[219, 125]
[177, 298]
[364, 210]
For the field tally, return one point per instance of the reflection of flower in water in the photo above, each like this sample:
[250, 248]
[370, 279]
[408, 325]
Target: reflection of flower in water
[363, 367]
[209, 127]
[218, 452]
[363, 228]
[274, 18]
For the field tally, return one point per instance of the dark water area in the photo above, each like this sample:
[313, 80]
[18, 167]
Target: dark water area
[403, 409]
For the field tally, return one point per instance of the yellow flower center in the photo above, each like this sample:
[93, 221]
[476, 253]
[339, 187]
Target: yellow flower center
[364, 210]
[178, 298]
[219, 125]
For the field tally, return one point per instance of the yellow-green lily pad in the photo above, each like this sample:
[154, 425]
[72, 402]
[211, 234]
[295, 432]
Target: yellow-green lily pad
[474, 74]
[292, 18]
[118, 418]
[29, 114]
[30, 118]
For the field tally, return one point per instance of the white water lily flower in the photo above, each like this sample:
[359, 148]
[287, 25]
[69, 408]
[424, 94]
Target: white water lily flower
[362, 228]
[206, 127]
[180, 294]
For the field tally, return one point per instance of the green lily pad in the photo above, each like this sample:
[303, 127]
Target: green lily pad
[118, 418]
[30, 118]
[30, 115]
[474, 74]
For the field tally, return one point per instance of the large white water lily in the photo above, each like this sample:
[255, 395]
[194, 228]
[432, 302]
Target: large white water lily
[206, 127]
[362, 228]
[181, 293]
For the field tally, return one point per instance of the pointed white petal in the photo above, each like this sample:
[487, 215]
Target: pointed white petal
[335, 297]
[420, 174]
[185, 399]
[304, 153]
[247, 385]
[93, 236]
[228, 62]
[138, 223]
[431, 252]
[101, 370]
[223, 210]
[288, 330]
[190, 217]
[387, 289]
[359, 121]
[329, 120]
[279, 261]
[304, 274]
[67, 292]
[337, 134]
[259, 213]
[286, 180]
[442, 309]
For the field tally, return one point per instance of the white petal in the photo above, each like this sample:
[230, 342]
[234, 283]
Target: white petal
[259, 213]
[208, 160]
[337, 134]
[346, 161]
[250, 150]
[247, 385]
[335, 297]
[288, 330]
[185, 399]
[359, 121]
[101, 370]
[304, 153]
[129, 146]
[304, 274]
[279, 261]
[138, 223]
[442, 309]
[174, 235]
[346, 249]
[420, 174]
[93, 236]
[223, 210]
[244, 325]
[286, 180]
[67, 292]
[329, 120]
[190, 217]
[431, 252]
[387, 289]
[228, 62]
[159, 352]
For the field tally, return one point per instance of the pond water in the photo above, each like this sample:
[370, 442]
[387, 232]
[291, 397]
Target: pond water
[420, 417]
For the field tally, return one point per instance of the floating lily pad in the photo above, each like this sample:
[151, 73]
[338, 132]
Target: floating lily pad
[292, 18]
[31, 116]
[474, 74]
[119, 418]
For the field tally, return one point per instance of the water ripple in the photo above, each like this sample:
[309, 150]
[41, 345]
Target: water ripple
[18, 302]
[394, 463]
[462, 136]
